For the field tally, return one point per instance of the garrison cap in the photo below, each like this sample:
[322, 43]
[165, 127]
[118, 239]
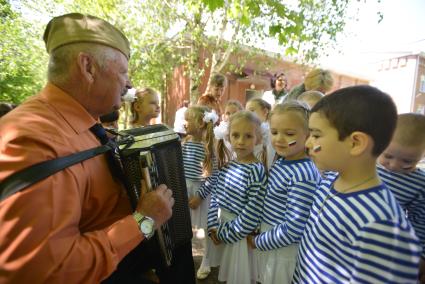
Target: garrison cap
[75, 27]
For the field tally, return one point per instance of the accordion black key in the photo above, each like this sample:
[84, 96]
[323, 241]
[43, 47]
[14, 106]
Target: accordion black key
[154, 155]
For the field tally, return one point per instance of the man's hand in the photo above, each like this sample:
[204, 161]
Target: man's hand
[213, 235]
[194, 202]
[156, 204]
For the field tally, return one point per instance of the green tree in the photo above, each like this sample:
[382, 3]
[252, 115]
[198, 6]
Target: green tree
[195, 34]
[303, 29]
[145, 23]
[22, 57]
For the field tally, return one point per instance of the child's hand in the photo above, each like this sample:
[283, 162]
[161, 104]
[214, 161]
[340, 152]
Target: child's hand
[250, 239]
[194, 202]
[213, 235]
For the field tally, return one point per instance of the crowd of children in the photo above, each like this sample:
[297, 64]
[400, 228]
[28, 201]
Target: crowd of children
[340, 201]
[321, 189]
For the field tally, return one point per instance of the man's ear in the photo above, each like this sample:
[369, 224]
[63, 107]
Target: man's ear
[86, 66]
[360, 143]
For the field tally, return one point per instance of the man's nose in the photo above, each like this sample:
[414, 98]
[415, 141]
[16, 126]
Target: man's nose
[128, 84]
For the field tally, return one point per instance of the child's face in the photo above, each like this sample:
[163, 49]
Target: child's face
[288, 135]
[228, 111]
[192, 124]
[149, 106]
[401, 159]
[257, 109]
[324, 147]
[217, 91]
[243, 139]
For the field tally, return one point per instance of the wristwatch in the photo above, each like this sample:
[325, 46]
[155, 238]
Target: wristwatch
[146, 224]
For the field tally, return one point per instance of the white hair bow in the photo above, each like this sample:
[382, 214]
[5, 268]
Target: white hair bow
[221, 131]
[130, 96]
[210, 116]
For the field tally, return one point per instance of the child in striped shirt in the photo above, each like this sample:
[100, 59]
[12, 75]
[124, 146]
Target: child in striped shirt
[397, 167]
[237, 201]
[293, 180]
[231, 107]
[198, 156]
[357, 232]
[265, 151]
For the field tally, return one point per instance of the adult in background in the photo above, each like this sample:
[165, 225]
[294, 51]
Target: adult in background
[278, 92]
[76, 225]
[316, 80]
[179, 121]
[216, 86]
[210, 101]
[214, 92]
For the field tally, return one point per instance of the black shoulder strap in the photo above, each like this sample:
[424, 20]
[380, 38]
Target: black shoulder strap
[32, 174]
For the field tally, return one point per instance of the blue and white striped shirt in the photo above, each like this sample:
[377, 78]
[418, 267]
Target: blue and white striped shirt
[193, 156]
[360, 237]
[240, 189]
[409, 190]
[207, 186]
[290, 194]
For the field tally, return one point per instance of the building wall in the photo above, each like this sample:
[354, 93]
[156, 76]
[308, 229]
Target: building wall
[255, 82]
[396, 77]
[419, 95]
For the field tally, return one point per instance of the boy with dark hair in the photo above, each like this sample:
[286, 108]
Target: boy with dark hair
[397, 167]
[357, 231]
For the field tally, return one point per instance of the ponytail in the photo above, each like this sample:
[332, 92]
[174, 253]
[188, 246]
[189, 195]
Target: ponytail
[224, 155]
[263, 156]
[207, 165]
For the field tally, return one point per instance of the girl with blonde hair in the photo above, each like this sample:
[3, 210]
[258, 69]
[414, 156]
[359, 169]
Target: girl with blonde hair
[198, 161]
[236, 201]
[144, 107]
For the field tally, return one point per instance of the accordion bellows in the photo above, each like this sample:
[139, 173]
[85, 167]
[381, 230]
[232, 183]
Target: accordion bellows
[156, 149]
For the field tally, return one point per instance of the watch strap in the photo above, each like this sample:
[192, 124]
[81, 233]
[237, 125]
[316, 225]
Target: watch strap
[139, 219]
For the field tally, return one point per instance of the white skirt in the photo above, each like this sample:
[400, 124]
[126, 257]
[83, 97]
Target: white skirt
[276, 266]
[237, 261]
[198, 216]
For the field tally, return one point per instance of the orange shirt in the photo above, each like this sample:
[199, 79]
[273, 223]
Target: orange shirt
[73, 227]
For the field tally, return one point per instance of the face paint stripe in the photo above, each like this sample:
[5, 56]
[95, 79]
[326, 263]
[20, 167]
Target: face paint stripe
[317, 148]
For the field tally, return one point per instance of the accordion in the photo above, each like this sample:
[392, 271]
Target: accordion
[155, 156]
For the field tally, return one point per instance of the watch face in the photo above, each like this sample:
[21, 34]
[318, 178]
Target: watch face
[146, 226]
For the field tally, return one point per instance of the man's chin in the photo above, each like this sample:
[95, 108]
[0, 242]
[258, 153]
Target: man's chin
[117, 106]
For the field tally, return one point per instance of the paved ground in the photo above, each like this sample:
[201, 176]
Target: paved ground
[198, 251]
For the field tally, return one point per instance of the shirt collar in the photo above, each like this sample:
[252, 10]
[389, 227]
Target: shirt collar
[72, 111]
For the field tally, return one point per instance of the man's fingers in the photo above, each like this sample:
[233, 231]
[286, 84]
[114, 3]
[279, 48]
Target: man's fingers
[169, 193]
